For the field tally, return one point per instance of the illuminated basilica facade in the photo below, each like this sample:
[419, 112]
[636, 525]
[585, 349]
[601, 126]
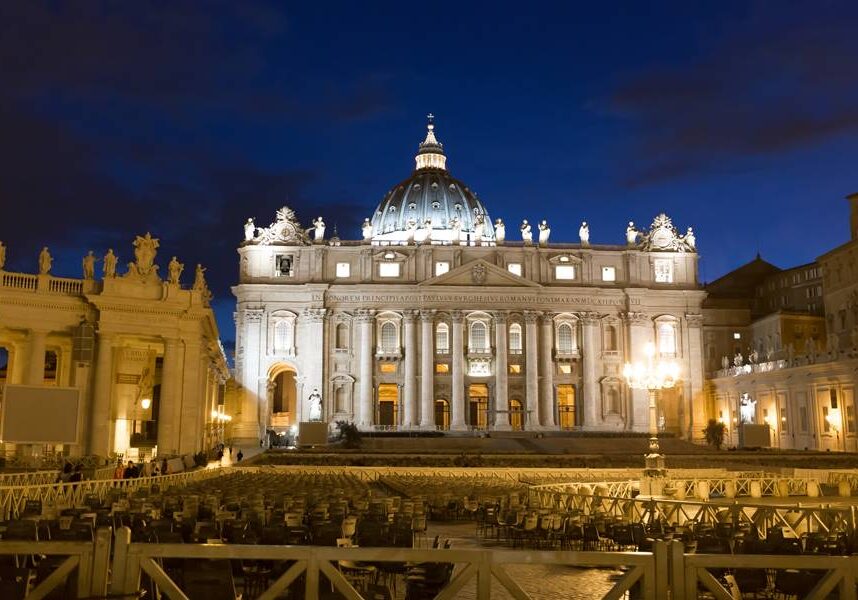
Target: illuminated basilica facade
[439, 317]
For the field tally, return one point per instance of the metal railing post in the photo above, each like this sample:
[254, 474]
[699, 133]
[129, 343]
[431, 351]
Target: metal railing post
[101, 561]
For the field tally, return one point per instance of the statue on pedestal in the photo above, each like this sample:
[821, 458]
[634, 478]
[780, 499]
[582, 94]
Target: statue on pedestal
[411, 230]
[690, 239]
[2, 256]
[424, 236]
[249, 230]
[526, 233]
[456, 230]
[318, 230]
[366, 230]
[144, 267]
[109, 266]
[479, 228]
[631, 234]
[174, 270]
[500, 231]
[315, 399]
[45, 261]
[199, 278]
[544, 232]
[584, 234]
[89, 266]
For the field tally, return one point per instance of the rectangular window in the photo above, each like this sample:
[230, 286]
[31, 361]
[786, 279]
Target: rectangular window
[832, 396]
[564, 272]
[737, 335]
[663, 270]
[442, 367]
[388, 269]
[515, 369]
[283, 265]
[609, 274]
[441, 267]
[343, 269]
[514, 268]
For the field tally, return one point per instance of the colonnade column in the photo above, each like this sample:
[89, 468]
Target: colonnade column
[35, 373]
[640, 332]
[695, 401]
[590, 363]
[531, 369]
[546, 366]
[249, 347]
[191, 398]
[427, 370]
[99, 428]
[457, 420]
[410, 387]
[501, 373]
[365, 318]
[170, 398]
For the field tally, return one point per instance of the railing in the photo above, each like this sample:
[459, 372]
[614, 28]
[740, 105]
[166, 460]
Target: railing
[20, 281]
[13, 498]
[65, 285]
[484, 566]
[29, 478]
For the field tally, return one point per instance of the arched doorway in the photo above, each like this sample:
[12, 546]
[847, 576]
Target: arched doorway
[284, 395]
[516, 415]
[478, 395]
[566, 406]
[388, 401]
[442, 414]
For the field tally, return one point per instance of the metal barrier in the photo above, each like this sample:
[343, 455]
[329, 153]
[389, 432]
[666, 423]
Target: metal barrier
[29, 478]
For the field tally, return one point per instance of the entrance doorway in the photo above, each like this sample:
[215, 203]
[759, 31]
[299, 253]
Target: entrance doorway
[516, 415]
[566, 406]
[478, 396]
[388, 400]
[284, 400]
[442, 414]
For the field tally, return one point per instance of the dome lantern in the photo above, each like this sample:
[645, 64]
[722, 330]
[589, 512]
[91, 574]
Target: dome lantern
[430, 153]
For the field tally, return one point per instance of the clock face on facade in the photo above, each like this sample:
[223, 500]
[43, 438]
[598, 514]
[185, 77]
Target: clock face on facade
[661, 238]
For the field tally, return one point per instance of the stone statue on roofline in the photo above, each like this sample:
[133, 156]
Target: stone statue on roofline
[109, 266]
[249, 230]
[631, 234]
[88, 264]
[45, 261]
[544, 233]
[424, 235]
[2, 256]
[584, 234]
[318, 230]
[315, 399]
[366, 230]
[145, 249]
[456, 230]
[174, 270]
[500, 231]
[526, 233]
[411, 230]
[479, 229]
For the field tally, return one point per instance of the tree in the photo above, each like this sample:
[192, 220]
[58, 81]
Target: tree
[350, 435]
[715, 431]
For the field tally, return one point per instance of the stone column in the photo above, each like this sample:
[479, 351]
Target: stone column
[365, 319]
[693, 367]
[457, 419]
[592, 393]
[189, 434]
[640, 333]
[409, 395]
[35, 373]
[501, 373]
[427, 370]
[245, 428]
[546, 367]
[531, 370]
[170, 400]
[100, 421]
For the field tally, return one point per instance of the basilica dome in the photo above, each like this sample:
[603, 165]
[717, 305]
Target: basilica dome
[431, 206]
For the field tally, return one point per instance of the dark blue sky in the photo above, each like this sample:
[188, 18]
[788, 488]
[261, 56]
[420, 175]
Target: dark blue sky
[185, 118]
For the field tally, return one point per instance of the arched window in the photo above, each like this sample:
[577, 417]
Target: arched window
[342, 336]
[283, 336]
[515, 338]
[666, 334]
[478, 339]
[389, 337]
[565, 339]
[442, 338]
[610, 338]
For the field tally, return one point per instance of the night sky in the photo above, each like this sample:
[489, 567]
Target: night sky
[184, 118]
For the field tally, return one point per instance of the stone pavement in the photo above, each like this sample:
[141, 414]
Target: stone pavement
[549, 582]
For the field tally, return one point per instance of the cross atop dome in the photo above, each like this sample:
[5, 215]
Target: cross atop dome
[430, 153]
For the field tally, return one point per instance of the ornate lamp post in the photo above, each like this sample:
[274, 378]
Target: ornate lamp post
[652, 375]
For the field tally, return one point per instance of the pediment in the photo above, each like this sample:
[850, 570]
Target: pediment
[480, 273]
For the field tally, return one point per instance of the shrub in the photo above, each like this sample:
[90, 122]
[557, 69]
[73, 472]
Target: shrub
[350, 435]
[715, 431]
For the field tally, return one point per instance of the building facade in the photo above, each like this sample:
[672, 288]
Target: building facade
[143, 352]
[439, 317]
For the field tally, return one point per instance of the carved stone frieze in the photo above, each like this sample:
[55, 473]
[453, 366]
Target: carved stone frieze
[253, 315]
[314, 315]
[531, 316]
[636, 318]
[694, 319]
[589, 318]
[427, 315]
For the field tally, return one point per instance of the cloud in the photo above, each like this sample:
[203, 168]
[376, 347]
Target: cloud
[767, 87]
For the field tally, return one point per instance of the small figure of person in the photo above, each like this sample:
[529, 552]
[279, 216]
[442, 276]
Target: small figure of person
[119, 471]
[544, 232]
[131, 471]
[77, 475]
[366, 230]
[66, 474]
[165, 467]
[239, 456]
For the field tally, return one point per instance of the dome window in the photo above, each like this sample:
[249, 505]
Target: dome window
[392, 208]
[458, 206]
[436, 205]
[412, 205]
[417, 186]
[434, 185]
[452, 187]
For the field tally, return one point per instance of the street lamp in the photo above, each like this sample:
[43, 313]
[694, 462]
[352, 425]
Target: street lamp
[652, 375]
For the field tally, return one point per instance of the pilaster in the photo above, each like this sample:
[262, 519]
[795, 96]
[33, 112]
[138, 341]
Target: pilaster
[410, 386]
[427, 369]
[100, 417]
[531, 370]
[365, 319]
[695, 401]
[245, 429]
[640, 333]
[457, 419]
[546, 378]
[501, 373]
[170, 400]
[592, 399]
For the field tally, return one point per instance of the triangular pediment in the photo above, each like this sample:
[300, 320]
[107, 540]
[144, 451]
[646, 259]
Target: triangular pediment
[480, 273]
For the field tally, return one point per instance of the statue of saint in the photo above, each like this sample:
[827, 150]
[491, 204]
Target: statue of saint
[318, 230]
[315, 399]
[200, 278]
[584, 234]
[174, 270]
[500, 231]
[145, 249]
[89, 266]
[366, 229]
[544, 232]
[456, 229]
[479, 228]
[424, 236]
[2, 256]
[526, 233]
[249, 230]
[45, 261]
[109, 266]
[411, 230]
[690, 239]
[631, 234]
